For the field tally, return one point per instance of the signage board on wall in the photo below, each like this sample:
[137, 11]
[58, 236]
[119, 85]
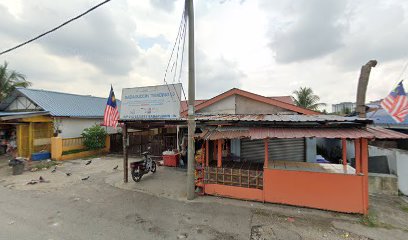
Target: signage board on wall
[154, 102]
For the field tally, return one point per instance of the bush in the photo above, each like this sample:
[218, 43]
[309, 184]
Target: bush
[94, 137]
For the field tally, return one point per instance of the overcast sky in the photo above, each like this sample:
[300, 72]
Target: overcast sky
[269, 47]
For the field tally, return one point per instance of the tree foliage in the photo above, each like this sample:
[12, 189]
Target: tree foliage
[9, 80]
[307, 99]
[94, 137]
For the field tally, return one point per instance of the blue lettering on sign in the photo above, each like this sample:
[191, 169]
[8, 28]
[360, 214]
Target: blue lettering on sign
[159, 116]
[163, 94]
[132, 96]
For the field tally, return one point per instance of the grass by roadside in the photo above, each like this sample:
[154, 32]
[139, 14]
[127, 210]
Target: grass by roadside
[369, 220]
[45, 164]
[74, 151]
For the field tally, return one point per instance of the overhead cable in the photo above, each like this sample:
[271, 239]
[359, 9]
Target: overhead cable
[56, 28]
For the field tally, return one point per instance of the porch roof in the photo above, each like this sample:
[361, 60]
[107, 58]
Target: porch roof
[288, 132]
[4, 116]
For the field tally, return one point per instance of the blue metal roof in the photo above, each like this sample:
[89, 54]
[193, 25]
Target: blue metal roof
[65, 104]
[381, 117]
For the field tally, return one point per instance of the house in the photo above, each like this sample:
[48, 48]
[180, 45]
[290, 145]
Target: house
[234, 101]
[35, 115]
[266, 168]
[264, 149]
[240, 102]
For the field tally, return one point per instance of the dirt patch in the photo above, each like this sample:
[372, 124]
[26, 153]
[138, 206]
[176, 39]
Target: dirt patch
[59, 176]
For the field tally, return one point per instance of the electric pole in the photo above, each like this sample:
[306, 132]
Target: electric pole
[191, 99]
[362, 87]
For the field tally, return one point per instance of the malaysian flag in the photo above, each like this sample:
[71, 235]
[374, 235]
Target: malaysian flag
[111, 115]
[396, 103]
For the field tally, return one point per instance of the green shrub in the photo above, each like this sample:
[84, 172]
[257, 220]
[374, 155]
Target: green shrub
[94, 137]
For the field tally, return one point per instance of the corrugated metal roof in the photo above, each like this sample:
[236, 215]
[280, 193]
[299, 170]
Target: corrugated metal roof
[67, 105]
[261, 133]
[15, 115]
[382, 133]
[279, 118]
[381, 117]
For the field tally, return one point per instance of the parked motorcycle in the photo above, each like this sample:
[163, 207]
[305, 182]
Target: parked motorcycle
[138, 169]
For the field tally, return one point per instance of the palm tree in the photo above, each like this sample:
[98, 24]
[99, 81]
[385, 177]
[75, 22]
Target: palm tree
[307, 99]
[9, 80]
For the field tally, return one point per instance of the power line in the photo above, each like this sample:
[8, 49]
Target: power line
[56, 28]
[177, 42]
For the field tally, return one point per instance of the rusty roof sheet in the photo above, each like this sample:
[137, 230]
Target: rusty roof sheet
[382, 133]
[261, 133]
[279, 118]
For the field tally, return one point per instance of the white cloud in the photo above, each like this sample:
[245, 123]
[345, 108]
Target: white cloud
[270, 47]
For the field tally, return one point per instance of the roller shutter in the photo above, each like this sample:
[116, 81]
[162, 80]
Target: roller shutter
[252, 150]
[292, 149]
[279, 149]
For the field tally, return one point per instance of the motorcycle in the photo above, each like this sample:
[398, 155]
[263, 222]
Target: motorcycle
[138, 169]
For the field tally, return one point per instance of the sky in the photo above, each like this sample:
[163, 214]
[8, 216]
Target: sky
[269, 47]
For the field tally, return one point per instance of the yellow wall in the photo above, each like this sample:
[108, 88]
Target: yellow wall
[27, 131]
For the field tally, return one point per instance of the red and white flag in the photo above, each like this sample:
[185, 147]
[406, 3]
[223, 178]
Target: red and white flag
[396, 103]
[111, 115]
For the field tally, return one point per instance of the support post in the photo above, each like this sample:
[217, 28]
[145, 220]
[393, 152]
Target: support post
[191, 99]
[125, 154]
[344, 151]
[207, 152]
[357, 150]
[30, 139]
[219, 153]
[266, 161]
[56, 148]
[364, 168]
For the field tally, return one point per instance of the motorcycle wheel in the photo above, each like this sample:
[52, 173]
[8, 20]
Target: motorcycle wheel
[153, 167]
[136, 175]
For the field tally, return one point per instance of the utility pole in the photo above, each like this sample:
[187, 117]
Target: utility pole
[362, 87]
[191, 99]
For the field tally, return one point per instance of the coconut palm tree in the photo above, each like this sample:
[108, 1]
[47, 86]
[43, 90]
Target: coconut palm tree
[9, 80]
[307, 99]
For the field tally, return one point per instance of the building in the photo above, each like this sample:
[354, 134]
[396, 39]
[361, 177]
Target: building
[234, 101]
[394, 153]
[263, 149]
[344, 107]
[34, 116]
[267, 166]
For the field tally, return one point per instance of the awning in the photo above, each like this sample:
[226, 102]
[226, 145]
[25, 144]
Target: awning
[4, 116]
[261, 133]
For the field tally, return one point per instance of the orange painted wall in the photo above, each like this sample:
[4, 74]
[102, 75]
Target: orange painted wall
[234, 192]
[336, 192]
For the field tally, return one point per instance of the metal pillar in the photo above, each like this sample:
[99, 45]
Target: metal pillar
[344, 151]
[219, 153]
[364, 169]
[266, 161]
[125, 154]
[357, 149]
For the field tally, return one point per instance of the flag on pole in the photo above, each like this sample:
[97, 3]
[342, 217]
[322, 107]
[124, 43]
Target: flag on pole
[111, 115]
[396, 103]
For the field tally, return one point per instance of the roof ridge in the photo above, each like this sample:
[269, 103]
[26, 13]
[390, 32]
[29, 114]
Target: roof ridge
[42, 90]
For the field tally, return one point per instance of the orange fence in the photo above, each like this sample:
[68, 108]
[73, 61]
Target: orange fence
[329, 191]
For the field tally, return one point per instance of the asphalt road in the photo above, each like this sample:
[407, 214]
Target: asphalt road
[94, 210]
[69, 208]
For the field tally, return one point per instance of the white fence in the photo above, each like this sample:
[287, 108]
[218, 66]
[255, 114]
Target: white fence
[397, 159]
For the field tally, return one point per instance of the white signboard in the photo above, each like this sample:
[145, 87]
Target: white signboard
[155, 102]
